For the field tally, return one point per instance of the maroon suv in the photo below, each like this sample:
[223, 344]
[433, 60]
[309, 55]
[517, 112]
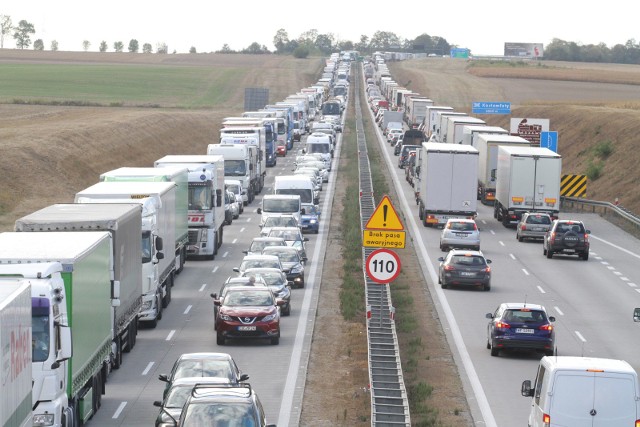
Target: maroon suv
[248, 312]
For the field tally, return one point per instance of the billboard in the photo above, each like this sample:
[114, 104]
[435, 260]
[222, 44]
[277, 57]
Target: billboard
[529, 129]
[524, 50]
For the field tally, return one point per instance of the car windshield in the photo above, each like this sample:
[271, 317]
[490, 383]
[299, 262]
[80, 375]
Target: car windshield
[259, 263]
[466, 260]
[280, 221]
[525, 315]
[273, 278]
[318, 148]
[259, 245]
[538, 219]
[309, 209]
[568, 226]
[248, 298]
[281, 205]
[286, 256]
[203, 368]
[218, 414]
[461, 226]
[286, 235]
[178, 396]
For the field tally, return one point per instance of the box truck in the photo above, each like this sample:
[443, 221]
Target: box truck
[528, 180]
[453, 132]
[249, 131]
[448, 181]
[124, 222]
[179, 176]
[240, 162]
[583, 392]
[471, 132]
[487, 145]
[16, 352]
[430, 118]
[158, 232]
[205, 201]
[72, 291]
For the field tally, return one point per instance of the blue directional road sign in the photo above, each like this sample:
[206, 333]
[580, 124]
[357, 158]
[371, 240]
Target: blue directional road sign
[549, 140]
[491, 108]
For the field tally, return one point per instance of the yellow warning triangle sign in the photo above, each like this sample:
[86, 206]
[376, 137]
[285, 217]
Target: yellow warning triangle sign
[385, 217]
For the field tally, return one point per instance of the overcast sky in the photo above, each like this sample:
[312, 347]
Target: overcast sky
[482, 26]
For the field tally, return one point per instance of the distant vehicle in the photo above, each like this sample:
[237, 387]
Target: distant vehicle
[520, 326]
[310, 219]
[460, 233]
[466, 268]
[292, 263]
[292, 236]
[259, 243]
[258, 261]
[533, 225]
[277, 221]
[277, 281]
[567, 237]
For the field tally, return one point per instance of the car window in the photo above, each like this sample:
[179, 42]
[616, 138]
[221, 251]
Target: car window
[229, 414]
[467, 260]
[538, 219]
[178, 396]
[566, 227]
[462, 226]
[525, 315]
[203, 368]
[239, 299]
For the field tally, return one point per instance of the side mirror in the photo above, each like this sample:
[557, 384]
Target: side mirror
[526, 389]
[259, 210]
[243, 377]
[158, 243]
[157, 403]
[236, 269]
[588, 231]
[306, 239]
[488, 261]
[214, 295]
[441, 259]
[636, 314]
[164, 378]
[552, 319]
[489, 315]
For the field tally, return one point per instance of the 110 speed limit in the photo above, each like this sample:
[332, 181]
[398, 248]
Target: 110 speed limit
[383, 266]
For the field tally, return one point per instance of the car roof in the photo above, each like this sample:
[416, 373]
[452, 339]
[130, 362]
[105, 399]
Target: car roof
[466, 252]
[267, 239]
[259, 256]
[285, 229]
[238, 280]
[205, 355]
[278, 249]
[190, 381]
[461, 220]
[519, 305]
[250, 271]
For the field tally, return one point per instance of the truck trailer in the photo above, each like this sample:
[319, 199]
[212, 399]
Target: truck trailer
[124, 222]
[205, 201]
[448, 183]
[240, 162]
[16, 345]
[158, 232]
[528, 180]
[72, 284]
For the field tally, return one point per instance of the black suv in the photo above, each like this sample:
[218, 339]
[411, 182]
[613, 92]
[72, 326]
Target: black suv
[566, 237]
[213, 404]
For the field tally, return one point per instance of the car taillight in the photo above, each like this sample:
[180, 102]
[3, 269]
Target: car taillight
[475, 227]
[547, 327]
[524, 227]
[487, 269]
[546, 420]
[637, 423]
[586, 237]
[552, 237]
[449, 268]
[502, 325]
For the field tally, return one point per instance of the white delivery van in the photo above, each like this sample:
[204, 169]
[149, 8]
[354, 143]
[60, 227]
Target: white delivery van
[583, 391]
[279, 204]
[298, 185]
[320, 143]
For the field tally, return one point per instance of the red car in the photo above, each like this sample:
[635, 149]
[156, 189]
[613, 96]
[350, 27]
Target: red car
[248, 312]
[281, 149]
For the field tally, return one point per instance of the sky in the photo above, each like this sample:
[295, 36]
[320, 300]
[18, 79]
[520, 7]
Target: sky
[482, 26]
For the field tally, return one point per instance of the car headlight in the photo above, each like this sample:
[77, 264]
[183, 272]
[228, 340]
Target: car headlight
[145, 306]
[313, 221]
[205, 234]
[43, 420]
[270, 317]
[224, 317]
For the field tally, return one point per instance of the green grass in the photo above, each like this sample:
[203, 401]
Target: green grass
[108, 85]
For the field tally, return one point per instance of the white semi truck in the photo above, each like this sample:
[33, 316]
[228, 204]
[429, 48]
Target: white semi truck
[448, 181]
[72, 292]
[250, 131]
[205, 201]
[240, 162]
[15, 358]
[124, 222]
[528, 180]
[157, 240]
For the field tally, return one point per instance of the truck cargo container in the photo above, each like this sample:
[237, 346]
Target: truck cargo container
[72, 285]
[528, 180]
[177, 175]
[158, 236]
[416, 111]
[440, 124]
[470, 133]
[124, 223]
[16, 345]
[448, 182]
[239, 163]
[249, 131]
[453, 133]
[487, 146]
[430, 118]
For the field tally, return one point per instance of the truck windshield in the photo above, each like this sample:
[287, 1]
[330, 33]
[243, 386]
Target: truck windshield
[281, 128]
[146, 247]
[318, 148]
[199, 197]
[40, 332]
[234, 168]
[331, 109]
[281, 205]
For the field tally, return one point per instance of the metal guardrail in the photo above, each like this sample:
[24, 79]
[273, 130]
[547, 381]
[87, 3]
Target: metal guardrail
[389, 402]
[616, 214]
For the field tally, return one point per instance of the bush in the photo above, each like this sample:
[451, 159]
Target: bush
[301, 52]
[594, 170]
[603, 149]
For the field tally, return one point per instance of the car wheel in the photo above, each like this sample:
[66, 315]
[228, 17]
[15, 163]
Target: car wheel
[477, 248]
[549, 253]
[275, 340]
[488, 344]
[549, 353]
[220, 338]
[585, 256]
[443, 248]
[287, 312]
[520, 238]
[544, 251]
[316, 231]
[486, 287]
[494, 351]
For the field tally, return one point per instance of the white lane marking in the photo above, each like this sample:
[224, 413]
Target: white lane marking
[593, 253]
[611, 267]
[242, 230]
[599, 258]
[615, 246]
[501, 242]
[484, 221]
[580, 336]
[626, 279]
[119, 410]
[633, 285]
[604, 263]
[204, 285]
[525, 272]
[492, 232]
[171, 334]
[188, 309]
[540, 289]
[248, 219]
[234, 241]
[512, 256]
[224, 255]
[148, 368]
[617, 273]
[558, 310]
[215, 268]
[638, 290]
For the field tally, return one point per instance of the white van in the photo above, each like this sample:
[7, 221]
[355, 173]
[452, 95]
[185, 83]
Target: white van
[583, 391]
[298, 185]
[320, 143]
[277, 204]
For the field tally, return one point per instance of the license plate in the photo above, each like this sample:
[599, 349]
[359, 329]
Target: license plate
[569, 250]
[536, 228]
[246, 328]
[461, 234]
[524, 331]
[467, 273]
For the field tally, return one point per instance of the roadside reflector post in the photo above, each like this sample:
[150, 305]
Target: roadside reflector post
[392, 313]
[368, 312]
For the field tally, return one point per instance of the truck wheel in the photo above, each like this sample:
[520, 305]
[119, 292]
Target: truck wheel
[117, 357]
[159, 307]
[549, 253]
[167, 298]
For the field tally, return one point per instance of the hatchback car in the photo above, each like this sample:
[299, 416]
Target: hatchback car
[235, 187]
[460, 233]
[292, 263]
[533, 225]
[234, 282]
[203, 365]
[248, 312]
[277, 281]
[568, 237]
[520, 326]
[464, 267]
[218, 405]
[310, 218]
[292, 237]
[403, 158]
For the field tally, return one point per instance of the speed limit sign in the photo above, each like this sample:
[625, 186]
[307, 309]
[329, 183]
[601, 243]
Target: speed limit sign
[383, 266]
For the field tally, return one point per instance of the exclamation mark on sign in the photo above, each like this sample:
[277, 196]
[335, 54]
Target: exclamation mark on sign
[384, 215]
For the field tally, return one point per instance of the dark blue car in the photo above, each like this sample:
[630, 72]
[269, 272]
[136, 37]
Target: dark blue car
[520, 326]
[310, 219]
